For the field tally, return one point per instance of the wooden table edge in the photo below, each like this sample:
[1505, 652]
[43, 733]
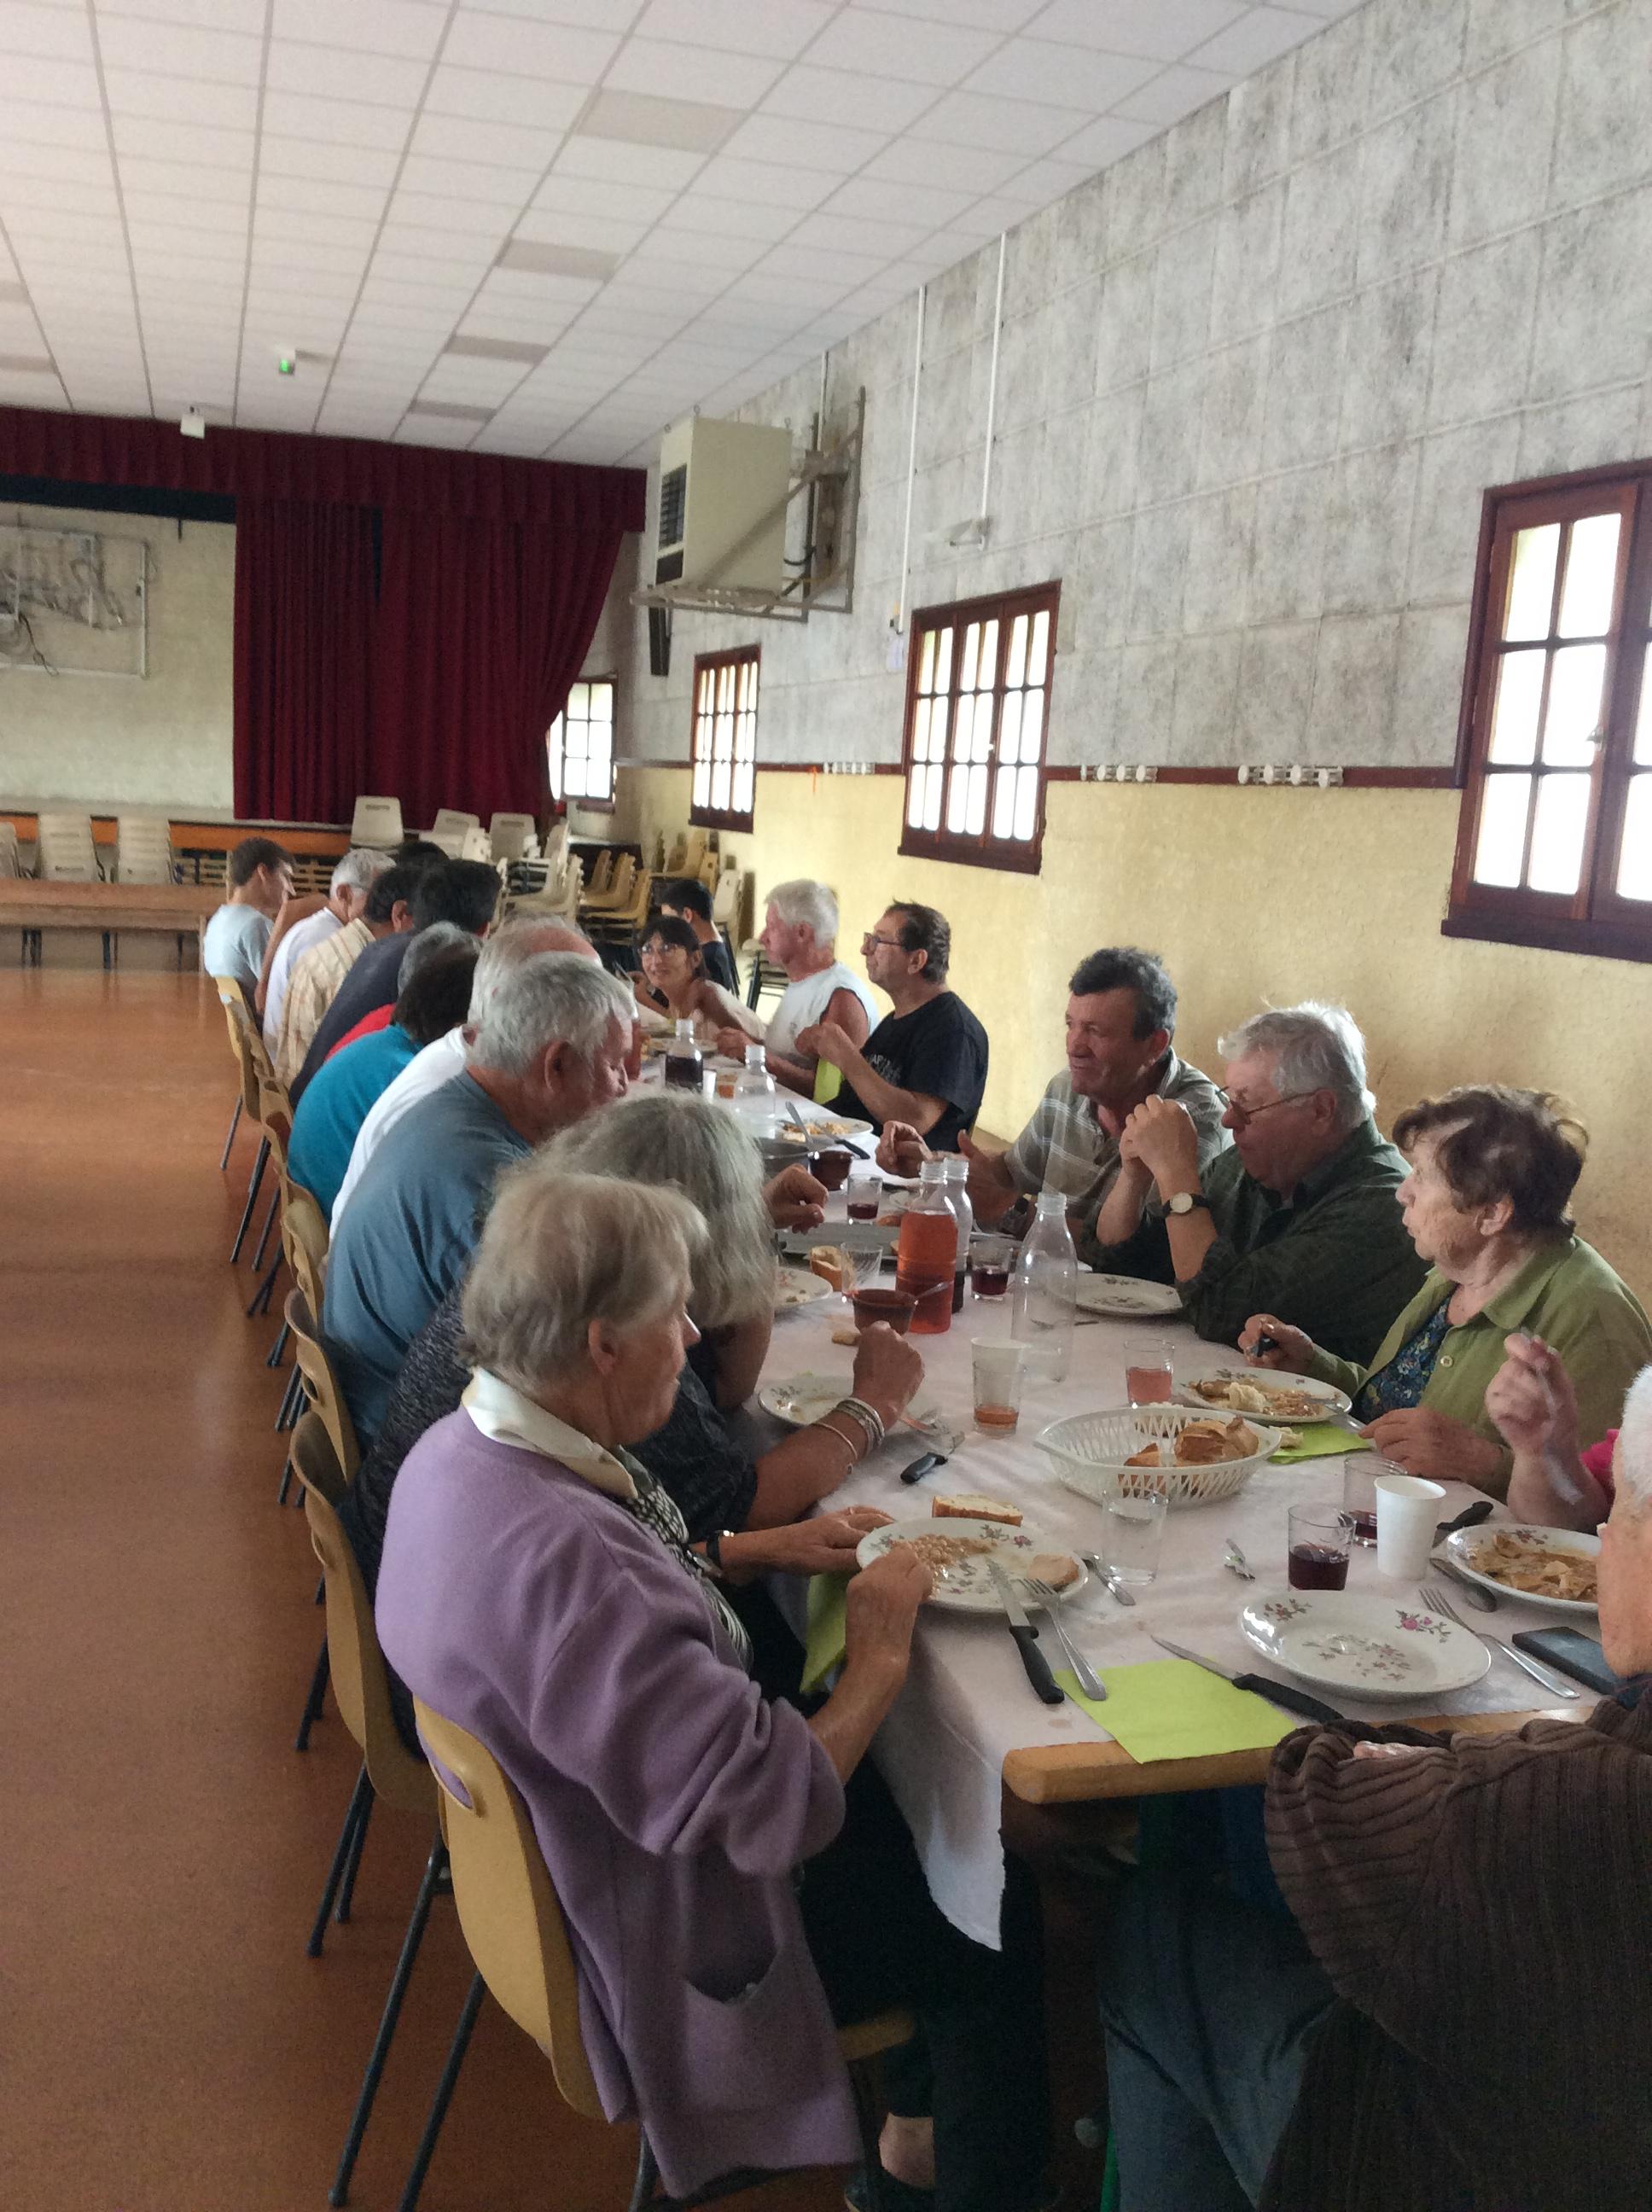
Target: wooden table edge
[1078, 1773]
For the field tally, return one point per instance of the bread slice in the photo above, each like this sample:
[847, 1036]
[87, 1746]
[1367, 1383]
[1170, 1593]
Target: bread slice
[968, 1506]
[1058, 1569]
[1147, 1457]
[833, 1265]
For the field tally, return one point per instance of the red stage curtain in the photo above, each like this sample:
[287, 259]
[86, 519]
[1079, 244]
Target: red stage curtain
[304, 638]
[482, 627]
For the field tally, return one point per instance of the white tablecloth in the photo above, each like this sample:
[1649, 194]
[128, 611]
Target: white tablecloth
[967, 1702]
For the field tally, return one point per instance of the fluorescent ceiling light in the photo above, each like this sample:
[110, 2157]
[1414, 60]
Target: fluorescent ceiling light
[540, 259]
[451, 411]
[27, 364]
[498, 349]
[14, 295]
[643, 118]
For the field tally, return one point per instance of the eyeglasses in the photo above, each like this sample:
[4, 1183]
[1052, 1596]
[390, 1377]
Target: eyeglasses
[868, 940]
[1244, 1115]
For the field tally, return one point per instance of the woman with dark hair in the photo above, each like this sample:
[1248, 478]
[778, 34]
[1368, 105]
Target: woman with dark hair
[1486, 1203]
[674, 986]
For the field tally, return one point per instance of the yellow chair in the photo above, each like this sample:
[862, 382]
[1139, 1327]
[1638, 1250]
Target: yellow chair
[391, 1774]
[304, 1239]
[518, 1942]
[321, 1382]
[231, 996]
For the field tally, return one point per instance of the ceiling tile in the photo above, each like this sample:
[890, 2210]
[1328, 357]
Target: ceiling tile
[1004, 126]
[178, 50]
[561, 194]
[72, 195]
[182, 99]
[641, 118]
[373, 79]
[1041, 182]
[1107, 139]
[489, 96]
[406, 28]
[537, 258]
[67, 84]
[444, 263]
[879, 241]
[783, 141]
[424, 210]
[611, 159]
[880, 103]
[669, 72]
[512, 349]
[819, 261]
[315, 258]
[523, 49]
[470, 383]
[1260, 36]
[765, 184]
[194, 213]
[875, 200]
[730, 218]
[309, 161]
[343, 122]
[1163, 32]
[317, 195]
[698, 250]
[879, 43]
[973, 169]
[33, 122]
[213, 15]
[1175, 93]
[61, 33]
[779, 28]
[1069, 76]
[547, 227]
[183, 142]
[507, 190]
[504, 145]
[432, 430]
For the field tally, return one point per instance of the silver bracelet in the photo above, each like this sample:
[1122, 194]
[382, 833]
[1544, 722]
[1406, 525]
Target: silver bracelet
[857, 1452]
[868, 1416]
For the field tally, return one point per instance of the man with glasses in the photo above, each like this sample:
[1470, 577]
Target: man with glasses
[925, 1064]
[1301, 1217]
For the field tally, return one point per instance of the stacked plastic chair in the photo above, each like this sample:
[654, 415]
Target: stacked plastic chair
[377, 823]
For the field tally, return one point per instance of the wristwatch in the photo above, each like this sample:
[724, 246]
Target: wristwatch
[1183, 1201]
[715, 1550]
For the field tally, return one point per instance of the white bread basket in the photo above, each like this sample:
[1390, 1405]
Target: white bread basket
[1089, 1450]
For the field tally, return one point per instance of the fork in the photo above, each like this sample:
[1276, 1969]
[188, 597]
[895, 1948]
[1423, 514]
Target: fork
[1047, 1598]
[1237, 1563]
[1435, 1600]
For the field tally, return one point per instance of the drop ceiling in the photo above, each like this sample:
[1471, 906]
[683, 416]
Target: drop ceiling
[536, 226]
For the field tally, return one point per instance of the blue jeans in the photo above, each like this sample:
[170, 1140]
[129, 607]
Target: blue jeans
[1209, 2005]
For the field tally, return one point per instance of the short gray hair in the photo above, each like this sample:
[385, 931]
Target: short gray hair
[358, 869]
[696, 1147]
[554, 998]
[1313, 1048]
[507, 947]
[561, 1251]
[1635, 1443]
[425, 944]
[806, 904]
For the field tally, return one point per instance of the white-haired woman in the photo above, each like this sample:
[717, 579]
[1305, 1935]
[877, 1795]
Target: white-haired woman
[799, 935]
[537, 1588]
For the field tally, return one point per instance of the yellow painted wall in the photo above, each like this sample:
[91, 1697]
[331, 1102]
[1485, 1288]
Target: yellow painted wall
[1249, 896]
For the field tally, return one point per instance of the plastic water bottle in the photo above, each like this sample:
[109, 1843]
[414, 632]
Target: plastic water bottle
[684, 1060]
[955, 1174]
[755, 1103]
[1045, 1286]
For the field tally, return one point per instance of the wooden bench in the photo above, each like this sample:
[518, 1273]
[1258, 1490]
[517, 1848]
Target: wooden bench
[178, 910]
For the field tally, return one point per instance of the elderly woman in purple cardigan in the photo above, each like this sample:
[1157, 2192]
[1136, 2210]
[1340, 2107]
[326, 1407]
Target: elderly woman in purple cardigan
[734, 1881]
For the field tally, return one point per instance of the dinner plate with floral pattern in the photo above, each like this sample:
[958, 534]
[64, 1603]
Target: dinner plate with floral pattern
[1366, 1647]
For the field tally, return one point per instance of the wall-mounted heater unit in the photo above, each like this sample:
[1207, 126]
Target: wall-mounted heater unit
[723, 492]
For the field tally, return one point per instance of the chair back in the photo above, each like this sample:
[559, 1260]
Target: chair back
[355, 1661]
[674, 860]
[477, 845]
[376, 822]
[726, 899]
[507, 1908]
[514, 836]
[144, 849]
[63, 849]
[304, 1240]
[320, 1380]
[451, 821]
[601, 875]
[10, 864]
[242, 1032]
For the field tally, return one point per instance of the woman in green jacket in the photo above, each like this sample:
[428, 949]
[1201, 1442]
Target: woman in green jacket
[1485, 1204]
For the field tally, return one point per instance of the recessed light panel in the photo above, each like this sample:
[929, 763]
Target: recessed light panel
[643, 118]
[537, 258]
[498, 349]
[450, 411]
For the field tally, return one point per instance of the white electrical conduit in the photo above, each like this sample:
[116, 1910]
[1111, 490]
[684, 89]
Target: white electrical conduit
[991, 385]
[900, 623]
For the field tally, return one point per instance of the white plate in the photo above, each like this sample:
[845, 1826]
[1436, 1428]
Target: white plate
[1366, 1647]
[823, 1122]
[800, 1287]
[1335, 1401]
[967, 1587]
[1122, 1297]
[1462, 1548]
[802, 1399]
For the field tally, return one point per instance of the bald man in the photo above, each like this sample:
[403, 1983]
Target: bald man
[439, 1063]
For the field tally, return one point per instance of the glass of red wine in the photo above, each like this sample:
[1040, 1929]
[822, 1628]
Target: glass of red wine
[1360, 1471]
[991, 1259]
[1321, 1538]
[863, 1195]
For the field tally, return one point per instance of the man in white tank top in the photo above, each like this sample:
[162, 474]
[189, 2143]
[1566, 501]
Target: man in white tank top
[800, 935]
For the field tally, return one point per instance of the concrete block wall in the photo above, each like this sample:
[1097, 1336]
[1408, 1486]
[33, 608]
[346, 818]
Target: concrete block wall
[1253, 380]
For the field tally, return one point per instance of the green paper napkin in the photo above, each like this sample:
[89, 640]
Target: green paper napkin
[1170, 1709]
[1317, 1440]
[824, 1644]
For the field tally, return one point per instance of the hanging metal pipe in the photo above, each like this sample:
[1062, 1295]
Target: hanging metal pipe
[991, 383]
[912, 459]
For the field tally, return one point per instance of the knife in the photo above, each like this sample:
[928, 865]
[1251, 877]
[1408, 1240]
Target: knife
[1276, 1693]
[1026, 1637]
[1109, 1578]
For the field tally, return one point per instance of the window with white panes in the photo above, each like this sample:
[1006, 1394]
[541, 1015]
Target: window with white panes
[724, 742]
[580, 746]
[1555, 842]
[977, 708]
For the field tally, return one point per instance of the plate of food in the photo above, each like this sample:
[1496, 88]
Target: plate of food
[1365, 1647]
[1123, 1297]
[1264, 1392]
[800, 1287]
[802, 1399]
[957, 1542]
[1551, 1567]
[789, 1133]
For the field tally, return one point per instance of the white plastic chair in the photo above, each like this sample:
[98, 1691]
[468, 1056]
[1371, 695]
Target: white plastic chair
[512, 835]
[10, 864]
[144, 849]
[377, 823]
[477, 845]
[63, 850]
[450, 829]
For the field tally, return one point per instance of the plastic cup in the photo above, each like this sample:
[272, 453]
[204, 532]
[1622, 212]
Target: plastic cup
[1150, 1374]
[1000, 1373]
[1407, 1514]
[832, 1168]
[1317, 1547]
[1132, 1532]
[895, 1307]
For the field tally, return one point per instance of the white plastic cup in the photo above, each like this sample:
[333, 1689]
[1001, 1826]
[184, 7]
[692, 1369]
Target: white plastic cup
[1407, 1514]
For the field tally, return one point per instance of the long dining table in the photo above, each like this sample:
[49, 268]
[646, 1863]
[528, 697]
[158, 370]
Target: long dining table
[968, 1724]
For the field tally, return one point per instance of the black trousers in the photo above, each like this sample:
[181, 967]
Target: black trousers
[977, 2062]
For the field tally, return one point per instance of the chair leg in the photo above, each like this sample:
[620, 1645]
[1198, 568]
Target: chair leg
[265, 1291]
[286, 1479]
[252, 1199]
[443, 2097]
[277, 1352]
[315, 1701]
[435, 1873]
[341, 1912]
[360, 1797]
[642, 2193]
[269, 1224]
[288, 1417]
[234, 1124]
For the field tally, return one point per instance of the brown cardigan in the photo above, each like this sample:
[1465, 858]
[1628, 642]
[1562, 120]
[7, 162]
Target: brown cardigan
[1484, 1912]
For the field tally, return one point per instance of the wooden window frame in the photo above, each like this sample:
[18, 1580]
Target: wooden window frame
[564, 799]
[1596, 919]
[708, 667]
[981, 850]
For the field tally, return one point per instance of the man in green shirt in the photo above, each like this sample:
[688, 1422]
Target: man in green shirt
[1300, 1218]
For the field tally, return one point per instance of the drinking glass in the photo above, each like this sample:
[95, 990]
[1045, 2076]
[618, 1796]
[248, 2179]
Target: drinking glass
[1132, 1530]
[991, 1259]
[1318, 1546]
[1150, 1374]
[999, 1371]
[1359, 1473]
[863, 1195]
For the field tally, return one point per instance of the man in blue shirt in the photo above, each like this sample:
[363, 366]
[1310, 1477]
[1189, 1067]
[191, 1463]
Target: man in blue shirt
[259, 879]
[550, 1047]
[435, 996]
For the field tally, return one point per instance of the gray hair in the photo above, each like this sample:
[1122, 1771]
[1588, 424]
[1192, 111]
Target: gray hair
[553, 998]
[804, 904]
[1635, 1443]
[561, 1251]
[425, 944]
[510, 944]
[358, 871]
[696, 1147]
[1313, 1048]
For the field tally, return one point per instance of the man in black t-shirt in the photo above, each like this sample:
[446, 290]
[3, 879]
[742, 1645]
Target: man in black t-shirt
[926, 1063]
[691, 901]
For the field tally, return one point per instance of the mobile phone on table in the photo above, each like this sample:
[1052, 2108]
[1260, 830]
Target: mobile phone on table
[1574, 1653]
